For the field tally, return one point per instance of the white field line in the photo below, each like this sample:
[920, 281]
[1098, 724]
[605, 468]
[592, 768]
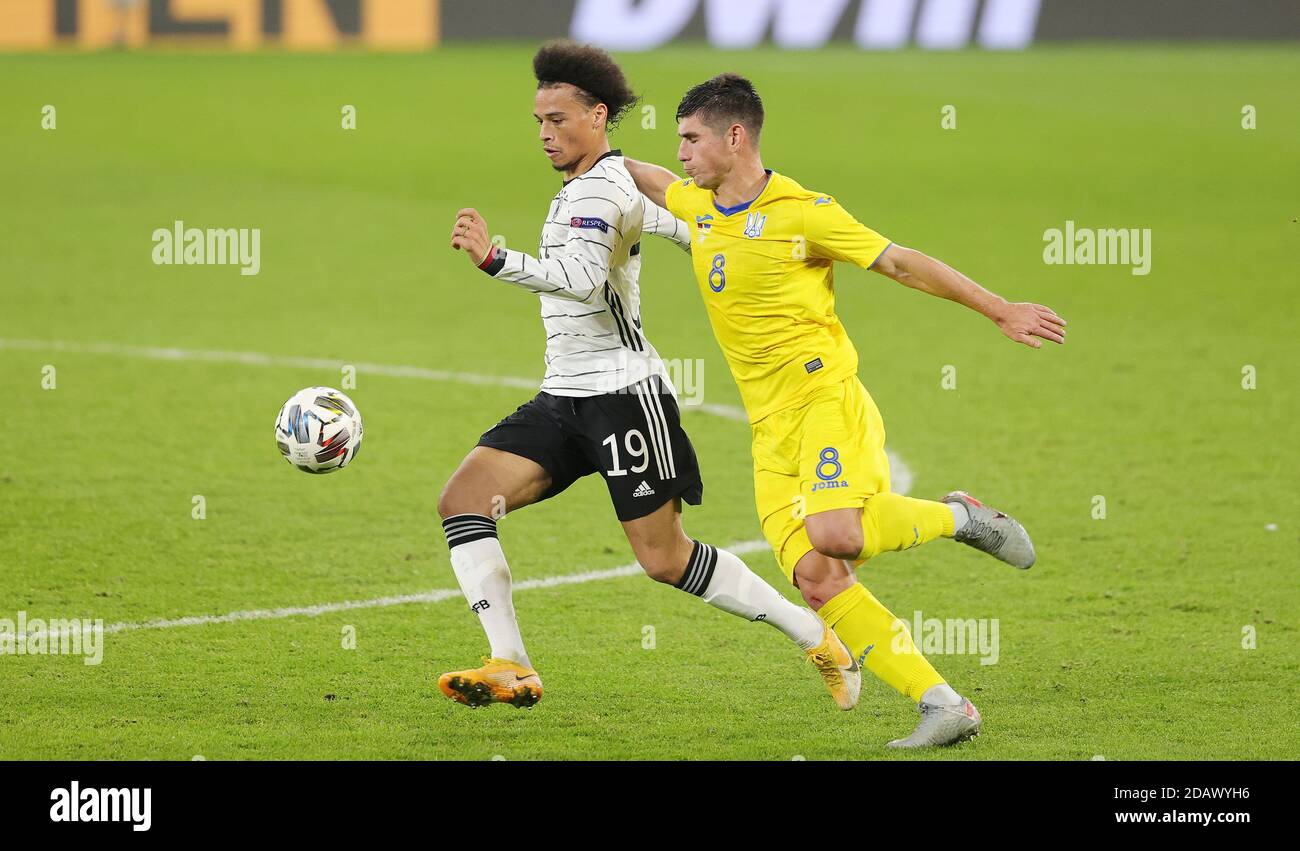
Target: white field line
[435, 596]
[259, 359]
[901, 473]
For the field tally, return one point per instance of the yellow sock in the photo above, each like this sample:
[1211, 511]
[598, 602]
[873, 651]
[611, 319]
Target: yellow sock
[880, 642]
[894, 522]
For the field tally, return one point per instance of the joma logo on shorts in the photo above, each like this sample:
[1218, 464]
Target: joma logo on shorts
[821, 486]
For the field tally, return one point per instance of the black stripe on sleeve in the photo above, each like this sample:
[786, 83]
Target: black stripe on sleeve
[498, 263]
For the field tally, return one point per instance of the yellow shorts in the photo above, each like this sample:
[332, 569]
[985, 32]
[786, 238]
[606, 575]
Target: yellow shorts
[828, 452]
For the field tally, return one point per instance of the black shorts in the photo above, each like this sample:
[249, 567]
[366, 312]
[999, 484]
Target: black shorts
[633, 438]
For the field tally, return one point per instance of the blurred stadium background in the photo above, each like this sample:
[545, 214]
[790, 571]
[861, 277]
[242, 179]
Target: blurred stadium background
[636, 24]
[1163, 627]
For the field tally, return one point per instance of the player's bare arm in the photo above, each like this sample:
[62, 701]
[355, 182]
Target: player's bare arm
[653, 180]
[1024, 322]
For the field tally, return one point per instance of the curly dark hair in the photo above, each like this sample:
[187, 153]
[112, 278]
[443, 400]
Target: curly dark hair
[725, 100]
[589, 69]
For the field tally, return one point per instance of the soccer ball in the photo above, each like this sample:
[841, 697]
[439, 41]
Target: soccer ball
[318, 430]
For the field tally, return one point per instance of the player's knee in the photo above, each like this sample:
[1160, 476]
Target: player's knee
[661, 565]
[820, 579]
[817, 593]
[453, 501]
[664, 560]
[812, 596]
[837, 540]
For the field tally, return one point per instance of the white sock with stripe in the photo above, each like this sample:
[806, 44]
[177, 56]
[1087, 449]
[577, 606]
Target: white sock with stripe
[484, 577]
[722, 580]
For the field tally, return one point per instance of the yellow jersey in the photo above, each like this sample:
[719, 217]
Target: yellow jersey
[766, 272]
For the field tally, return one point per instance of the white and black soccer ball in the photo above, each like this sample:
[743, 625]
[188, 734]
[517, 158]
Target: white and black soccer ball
[318, 430]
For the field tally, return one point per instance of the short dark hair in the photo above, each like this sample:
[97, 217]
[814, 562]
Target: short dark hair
[725, 100]
[589, 69]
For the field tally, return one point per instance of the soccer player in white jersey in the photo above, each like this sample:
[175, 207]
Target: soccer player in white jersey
[605, 404]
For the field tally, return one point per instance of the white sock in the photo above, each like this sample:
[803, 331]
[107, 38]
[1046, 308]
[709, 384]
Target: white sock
[960, 515]
[724, 581]
[484, 577]
[941, 695]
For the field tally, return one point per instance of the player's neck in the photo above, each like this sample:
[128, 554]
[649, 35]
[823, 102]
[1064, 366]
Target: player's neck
[584, 165]
[742, 184]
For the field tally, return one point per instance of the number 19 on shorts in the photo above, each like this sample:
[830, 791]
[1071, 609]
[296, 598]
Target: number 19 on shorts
[635, 445]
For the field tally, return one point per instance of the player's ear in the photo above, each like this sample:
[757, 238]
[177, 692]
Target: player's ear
[599, 115]
[736, 136]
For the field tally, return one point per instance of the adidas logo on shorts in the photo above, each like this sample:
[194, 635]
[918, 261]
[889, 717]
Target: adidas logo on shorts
[643, 489]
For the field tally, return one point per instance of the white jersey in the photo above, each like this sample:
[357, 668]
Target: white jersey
[586, 273]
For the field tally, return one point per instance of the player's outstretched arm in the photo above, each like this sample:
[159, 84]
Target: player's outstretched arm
[660, 222]
[1023, 322]
[653, 180]
[576, 270]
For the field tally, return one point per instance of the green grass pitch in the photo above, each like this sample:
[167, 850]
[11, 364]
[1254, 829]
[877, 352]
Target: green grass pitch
[1125, 641]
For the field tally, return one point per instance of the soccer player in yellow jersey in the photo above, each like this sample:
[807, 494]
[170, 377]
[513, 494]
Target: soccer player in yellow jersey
[764, 252]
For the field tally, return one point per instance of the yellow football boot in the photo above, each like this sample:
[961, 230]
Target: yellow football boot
[838, 668]
[498, 681]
